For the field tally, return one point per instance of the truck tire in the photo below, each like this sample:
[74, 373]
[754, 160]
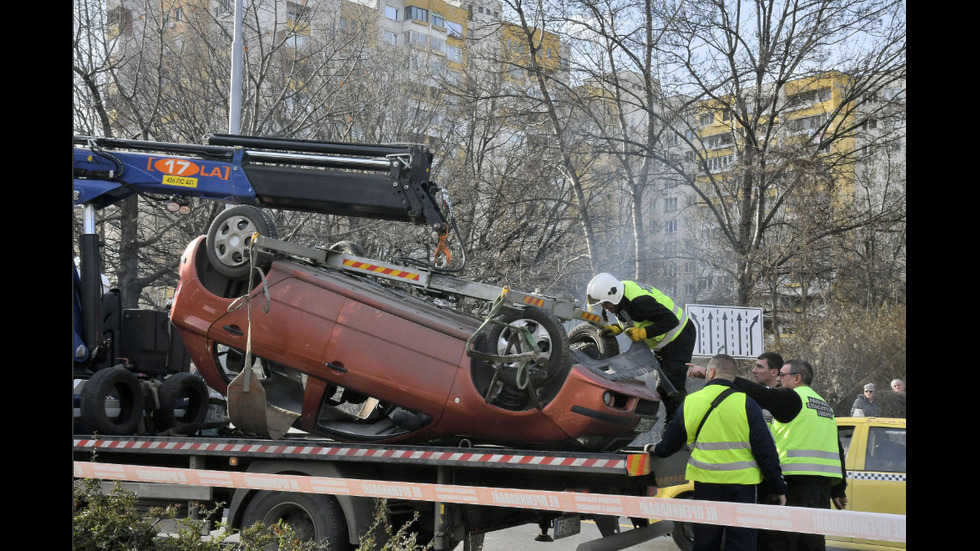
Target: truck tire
[683, 532]
[230, 237]
[112, 387]
[588, 338]
[313, 517]
[186, 392]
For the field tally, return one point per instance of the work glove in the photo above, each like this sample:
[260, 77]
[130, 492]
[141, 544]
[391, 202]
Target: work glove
[636, 334]
[611, 330]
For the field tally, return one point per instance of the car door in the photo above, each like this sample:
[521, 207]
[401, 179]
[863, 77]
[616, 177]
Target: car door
[876, 463]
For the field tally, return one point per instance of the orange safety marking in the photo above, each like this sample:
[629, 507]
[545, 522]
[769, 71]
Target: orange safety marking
[638, 464]
[534, 301]
[590, 317]
[381, 270]
[876, 526]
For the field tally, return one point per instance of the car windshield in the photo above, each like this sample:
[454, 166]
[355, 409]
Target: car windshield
[886, 450]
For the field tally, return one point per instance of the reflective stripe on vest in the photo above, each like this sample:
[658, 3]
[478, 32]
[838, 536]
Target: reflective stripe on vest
[807, 445]
[722, 453]
[631, 290]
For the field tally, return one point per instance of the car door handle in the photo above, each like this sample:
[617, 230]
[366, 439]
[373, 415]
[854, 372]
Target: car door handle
[336, 367]
[233, 329]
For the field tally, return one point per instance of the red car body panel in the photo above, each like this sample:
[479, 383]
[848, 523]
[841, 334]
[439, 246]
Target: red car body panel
[340, 330]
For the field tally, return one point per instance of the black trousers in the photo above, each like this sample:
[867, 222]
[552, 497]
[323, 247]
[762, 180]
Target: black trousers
[802, 491]
[712, 537]
[673, 361]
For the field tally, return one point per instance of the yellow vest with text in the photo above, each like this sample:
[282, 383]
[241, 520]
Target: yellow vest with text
[807, 445]
[631, 290]
[722, 453]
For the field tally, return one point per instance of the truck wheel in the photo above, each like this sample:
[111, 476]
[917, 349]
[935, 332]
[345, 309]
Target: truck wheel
[549, 336]
[683, 532]
[313, 517]
[186, 393]
[588, 338]
[230, 237]
[112, 402]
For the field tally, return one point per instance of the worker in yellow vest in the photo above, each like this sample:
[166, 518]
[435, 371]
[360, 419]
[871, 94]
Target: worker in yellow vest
[654, 318]
[732, 452]
[810, 453]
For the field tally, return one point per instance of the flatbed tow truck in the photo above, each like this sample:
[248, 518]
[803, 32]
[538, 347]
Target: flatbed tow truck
[324, 488]
[327, 489]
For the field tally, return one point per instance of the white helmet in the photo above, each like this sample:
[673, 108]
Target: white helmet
[603, 288]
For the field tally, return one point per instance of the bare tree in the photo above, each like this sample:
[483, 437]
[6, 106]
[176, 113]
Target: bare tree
[151, 70]
[763, 92]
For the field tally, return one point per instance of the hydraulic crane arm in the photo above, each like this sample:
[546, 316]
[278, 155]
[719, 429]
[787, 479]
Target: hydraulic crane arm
[389, 182]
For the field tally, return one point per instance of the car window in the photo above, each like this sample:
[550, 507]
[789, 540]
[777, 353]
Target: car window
[845, 433]
[886, 450]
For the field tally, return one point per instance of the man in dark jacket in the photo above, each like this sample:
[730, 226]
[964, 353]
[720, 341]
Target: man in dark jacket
[732, 452]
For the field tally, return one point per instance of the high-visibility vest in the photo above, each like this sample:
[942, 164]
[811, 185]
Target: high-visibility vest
[807, 445]
[632, 290]
[722, 453]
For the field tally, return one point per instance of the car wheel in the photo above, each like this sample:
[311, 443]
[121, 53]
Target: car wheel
[312, 517]
[588, 338]
[683, 532]
[112, 402]
[230, 237]
[548, 335]
[184, 392]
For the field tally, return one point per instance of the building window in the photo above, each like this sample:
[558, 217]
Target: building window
[688, 267]
[437, 44]
[297, 40]
[455, 30]
[296, 12]
[716, 164]
[670, 204]
[416, 39]
[391, 13]
[415, 13]
[438, 20]
[670, 247]
[707, 119]
[719, 140]
[808, 123]
[390, 38]
[454, 53]
[670, 226]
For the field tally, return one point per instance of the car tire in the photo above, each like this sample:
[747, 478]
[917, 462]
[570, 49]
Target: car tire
[230, 237]
[112, 383]
[588, 339]
[549, 334]
[313, 517]
[184, 391]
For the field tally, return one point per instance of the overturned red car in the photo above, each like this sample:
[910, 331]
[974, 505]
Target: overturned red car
[362, 360]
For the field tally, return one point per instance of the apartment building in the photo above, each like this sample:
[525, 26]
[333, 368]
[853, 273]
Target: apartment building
[861, 147]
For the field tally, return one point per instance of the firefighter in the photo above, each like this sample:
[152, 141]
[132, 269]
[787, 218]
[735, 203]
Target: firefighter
[651, 317]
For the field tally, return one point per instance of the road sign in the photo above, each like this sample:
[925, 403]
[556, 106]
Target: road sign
[732, 330]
